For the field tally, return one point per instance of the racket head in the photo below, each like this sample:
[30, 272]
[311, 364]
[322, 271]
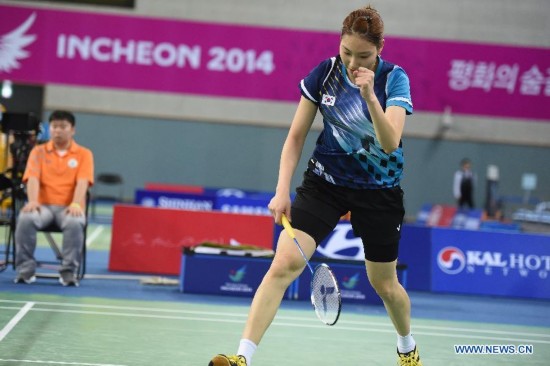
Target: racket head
[325, 294]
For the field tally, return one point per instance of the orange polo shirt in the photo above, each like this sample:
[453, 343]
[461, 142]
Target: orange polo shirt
[58, 174]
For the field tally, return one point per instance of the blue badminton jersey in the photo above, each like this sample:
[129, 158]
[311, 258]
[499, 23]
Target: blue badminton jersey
[347, 152]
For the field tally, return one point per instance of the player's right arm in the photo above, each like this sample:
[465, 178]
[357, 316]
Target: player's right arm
[290, 156]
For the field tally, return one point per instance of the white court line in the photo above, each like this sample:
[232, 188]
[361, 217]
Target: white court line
[278, 323]
[13, 322]
[58, 362]
[283, 317]
[445, 335]
[382, 327]
[93, 236]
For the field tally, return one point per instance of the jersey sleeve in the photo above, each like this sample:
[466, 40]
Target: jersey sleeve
[399, 90]
[86, 170]
[310, 86]
[32, 169]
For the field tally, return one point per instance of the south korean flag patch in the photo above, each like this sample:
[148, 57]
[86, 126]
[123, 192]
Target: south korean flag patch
[328, 100]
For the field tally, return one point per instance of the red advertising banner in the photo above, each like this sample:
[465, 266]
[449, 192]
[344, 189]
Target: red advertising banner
[43, 46]
[150, 240]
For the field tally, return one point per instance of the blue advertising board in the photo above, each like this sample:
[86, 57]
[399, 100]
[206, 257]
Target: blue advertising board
[414, 251]
[223, 274]
[352, 281]
[221, 199]
[245, 202]
[490, 263]
[245, 205]
[175, 200]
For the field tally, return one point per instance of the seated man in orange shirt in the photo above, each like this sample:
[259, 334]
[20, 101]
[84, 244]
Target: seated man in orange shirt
[58, 174]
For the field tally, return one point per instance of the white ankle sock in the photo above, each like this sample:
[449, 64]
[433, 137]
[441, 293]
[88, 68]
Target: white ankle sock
[405, 344]
[247, 349]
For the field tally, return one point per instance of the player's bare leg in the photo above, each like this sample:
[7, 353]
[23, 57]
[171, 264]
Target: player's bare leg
[285, 268]
[383, 278]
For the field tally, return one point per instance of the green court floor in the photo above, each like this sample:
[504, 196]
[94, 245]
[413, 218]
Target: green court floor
[40, 329]
[123, 323]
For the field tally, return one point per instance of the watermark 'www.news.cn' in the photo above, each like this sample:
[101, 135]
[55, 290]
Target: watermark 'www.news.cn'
[493, 349]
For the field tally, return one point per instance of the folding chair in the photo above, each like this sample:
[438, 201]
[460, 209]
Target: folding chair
[6, 260]
[7, 220]
[112, 185]
[56, 248]
[19, 131]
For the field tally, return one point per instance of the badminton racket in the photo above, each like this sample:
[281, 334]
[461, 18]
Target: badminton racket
[325, 293]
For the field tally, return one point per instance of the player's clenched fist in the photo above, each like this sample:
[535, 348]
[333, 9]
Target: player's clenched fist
[364, 79]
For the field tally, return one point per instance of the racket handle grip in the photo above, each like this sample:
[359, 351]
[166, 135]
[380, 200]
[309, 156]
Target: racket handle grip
[287, 226]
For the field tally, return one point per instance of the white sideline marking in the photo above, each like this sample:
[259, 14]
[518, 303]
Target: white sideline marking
[13, 322]
[244, 314]
[94, 235]
[58, 362]
[213, 316]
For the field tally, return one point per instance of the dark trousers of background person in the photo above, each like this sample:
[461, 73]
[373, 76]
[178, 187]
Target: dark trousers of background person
[466, 194]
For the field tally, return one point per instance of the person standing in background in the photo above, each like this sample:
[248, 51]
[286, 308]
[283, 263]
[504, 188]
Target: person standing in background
[463, 185]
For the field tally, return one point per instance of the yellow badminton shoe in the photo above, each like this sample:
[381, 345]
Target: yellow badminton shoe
[223, 360]
[409, 359]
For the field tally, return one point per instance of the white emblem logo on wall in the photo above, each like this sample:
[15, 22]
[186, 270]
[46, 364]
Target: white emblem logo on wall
[12, 45]
[342, 244]
[328, 100]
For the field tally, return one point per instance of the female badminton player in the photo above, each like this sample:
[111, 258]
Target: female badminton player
[356, 167]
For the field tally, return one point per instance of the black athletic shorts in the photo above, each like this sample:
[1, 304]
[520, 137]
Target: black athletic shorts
[376, 214]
